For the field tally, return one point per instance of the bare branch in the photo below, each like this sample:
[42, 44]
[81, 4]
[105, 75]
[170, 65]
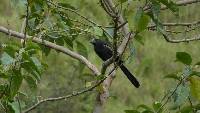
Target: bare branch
[26, 24]
[53, 46]
[181, 40]
[183, 3]
[75, 93]
[115, 19]
[191, 104]
[179, 3]
[102, 96]
[125, 29]
[176, 24]
[107, 8]
[65, 97]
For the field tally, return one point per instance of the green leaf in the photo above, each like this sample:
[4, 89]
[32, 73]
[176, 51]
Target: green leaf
[154, 14]
[144, 107]
[6, 59]
[3, 74]
[100, 77]
[155, 9]
[195, 73]
[98, 31]
[15, 83]
[172, 76]
[195, 87]
[140, 39]
[131, 111]
[32, 83]
[32, 65]
[83, 51]
[157, 106]
[81, 48]
[184, 58]
[45, 50]
[109, 33]
[68, 41]
[170, 5]
[11, 49]
[141, 20]
[186, 109]
[181, 94]
[27, 66]
[130, 18]
[36, 62]
[3, 90]
[31, 46]
[63, 15]
[60, 41]
[15, 106]
[138, 15]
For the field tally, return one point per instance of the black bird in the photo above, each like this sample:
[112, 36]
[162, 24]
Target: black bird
[104, 51]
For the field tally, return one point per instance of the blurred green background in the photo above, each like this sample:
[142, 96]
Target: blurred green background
[151, 62]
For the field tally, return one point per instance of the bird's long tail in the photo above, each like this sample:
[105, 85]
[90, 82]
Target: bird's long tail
[131, 78]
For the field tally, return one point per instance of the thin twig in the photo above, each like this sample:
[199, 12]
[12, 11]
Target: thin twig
[179, 3]
[75, 12]
[26, 25]
[177, 24]
[106, 8]
[77, 93]
[120, 26]
[71, 10]
[115, 37]
[181, 40]
[115, 18]
[190, 101]
[172, 93]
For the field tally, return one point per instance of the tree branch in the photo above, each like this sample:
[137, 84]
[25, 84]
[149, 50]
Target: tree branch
[102, 96]
[181, 40]
[53, 46]
[183, 3]
[179, 3]
[64, 97]
[187, 24]
[124, 27]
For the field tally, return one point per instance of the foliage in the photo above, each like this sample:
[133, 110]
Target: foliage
[187, 88]
[18, 65]
[60, 22]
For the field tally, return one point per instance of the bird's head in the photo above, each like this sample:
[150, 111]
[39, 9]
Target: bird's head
[95, 41]
[98, 42]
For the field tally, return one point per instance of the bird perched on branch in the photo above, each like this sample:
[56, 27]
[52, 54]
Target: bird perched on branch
[104, 51]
